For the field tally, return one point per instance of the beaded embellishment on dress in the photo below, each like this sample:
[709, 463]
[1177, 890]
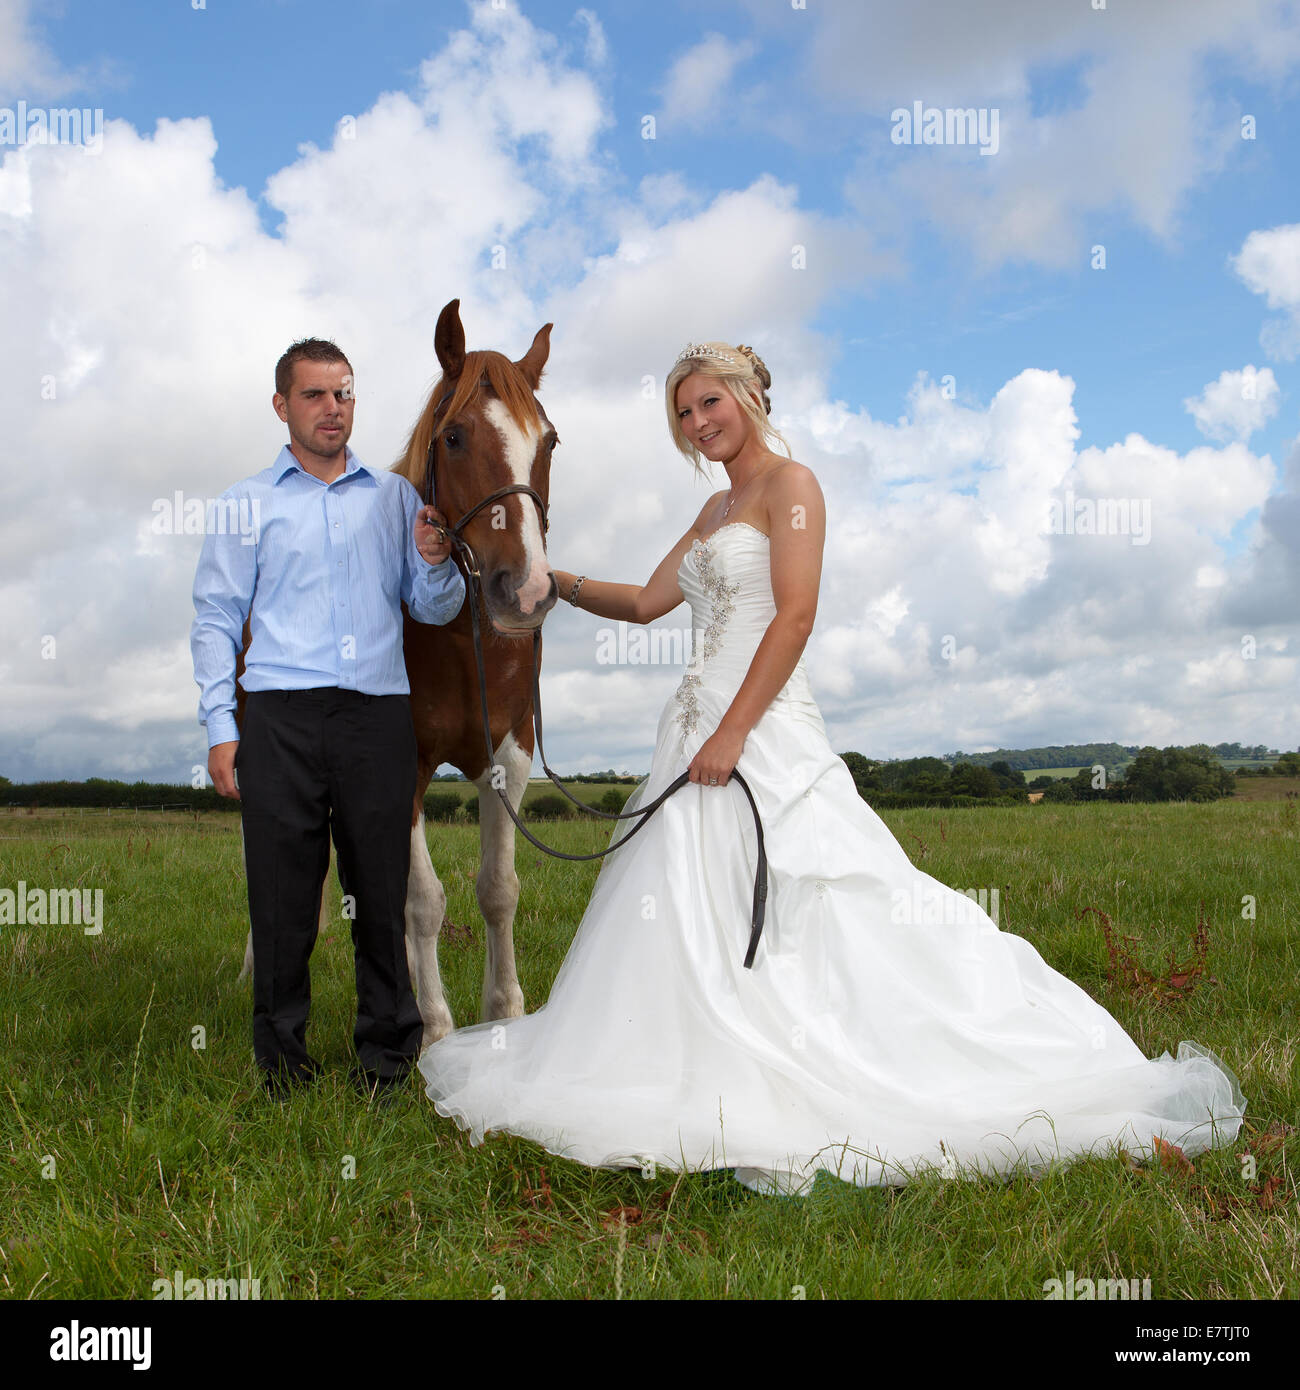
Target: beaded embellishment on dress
[720, 593]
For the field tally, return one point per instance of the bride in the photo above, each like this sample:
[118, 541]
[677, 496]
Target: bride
[873, 1038]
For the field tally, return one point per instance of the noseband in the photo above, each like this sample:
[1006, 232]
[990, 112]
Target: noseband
[453, 534]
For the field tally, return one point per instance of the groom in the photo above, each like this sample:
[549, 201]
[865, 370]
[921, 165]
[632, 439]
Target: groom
[327, 740]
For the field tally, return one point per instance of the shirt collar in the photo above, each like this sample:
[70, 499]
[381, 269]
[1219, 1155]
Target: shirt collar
[287, 462]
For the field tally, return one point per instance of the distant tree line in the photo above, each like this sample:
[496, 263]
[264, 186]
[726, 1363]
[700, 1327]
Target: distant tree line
[1057, 755]
[106, 794]
[931, 782]
[1091, 754]
[103, 792]
[610, 776]
[1238, 750]
[1155, 774]
[1191, 773]
[1287, 765]
[447, 806]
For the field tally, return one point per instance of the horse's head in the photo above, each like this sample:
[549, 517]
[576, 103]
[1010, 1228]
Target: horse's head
[483, 429]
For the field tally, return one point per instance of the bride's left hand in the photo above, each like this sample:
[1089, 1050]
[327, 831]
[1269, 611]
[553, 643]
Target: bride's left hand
[718, 755]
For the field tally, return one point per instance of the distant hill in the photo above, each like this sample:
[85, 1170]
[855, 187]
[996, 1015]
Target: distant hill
[1194, 773]
[1091, 754]
[1058, 755]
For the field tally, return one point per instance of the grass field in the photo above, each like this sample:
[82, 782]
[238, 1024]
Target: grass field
[1058, 774]
[131, 1153]
[1267, 788]
[1283, 783]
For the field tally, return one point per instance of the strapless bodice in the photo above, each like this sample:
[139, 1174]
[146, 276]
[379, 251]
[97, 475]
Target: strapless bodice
[727, 580]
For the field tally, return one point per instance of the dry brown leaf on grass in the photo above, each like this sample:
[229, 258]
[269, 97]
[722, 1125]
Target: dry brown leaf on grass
[616, 1216]
[539, 1195]
[1262, 1140]
[1171, 1157]
[1267, 1196]
[1167, 1158]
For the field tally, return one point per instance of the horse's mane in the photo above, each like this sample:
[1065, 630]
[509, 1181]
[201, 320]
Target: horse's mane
[498, 372]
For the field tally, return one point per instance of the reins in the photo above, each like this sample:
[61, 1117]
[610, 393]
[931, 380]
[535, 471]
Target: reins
[452, 533]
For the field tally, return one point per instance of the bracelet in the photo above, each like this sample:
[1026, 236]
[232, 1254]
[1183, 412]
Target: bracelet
[573, 593]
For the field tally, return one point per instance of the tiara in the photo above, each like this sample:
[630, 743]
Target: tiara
[702, 350]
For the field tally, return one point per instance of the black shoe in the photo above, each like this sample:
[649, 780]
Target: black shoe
[282, 1084]
[379, 1090]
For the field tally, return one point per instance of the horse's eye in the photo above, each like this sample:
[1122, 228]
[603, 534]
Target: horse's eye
[452, 439]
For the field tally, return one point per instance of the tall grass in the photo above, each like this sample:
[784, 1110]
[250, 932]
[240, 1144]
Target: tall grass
[137, 1142]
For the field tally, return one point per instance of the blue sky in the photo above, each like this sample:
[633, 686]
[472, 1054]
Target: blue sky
[925, 263]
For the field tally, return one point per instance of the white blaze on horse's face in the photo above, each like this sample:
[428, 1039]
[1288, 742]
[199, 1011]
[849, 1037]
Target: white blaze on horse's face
[519, 448]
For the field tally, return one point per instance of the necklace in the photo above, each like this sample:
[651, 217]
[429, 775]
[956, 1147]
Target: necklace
[734, 495]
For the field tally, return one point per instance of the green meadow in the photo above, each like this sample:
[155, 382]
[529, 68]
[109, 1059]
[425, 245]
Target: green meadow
[137, 1141]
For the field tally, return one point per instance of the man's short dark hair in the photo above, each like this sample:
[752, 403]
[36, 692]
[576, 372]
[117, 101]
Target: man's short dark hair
[306, 350]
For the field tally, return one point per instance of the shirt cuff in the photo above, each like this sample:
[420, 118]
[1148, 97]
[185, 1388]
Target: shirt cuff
[222, 728]
[437, 593]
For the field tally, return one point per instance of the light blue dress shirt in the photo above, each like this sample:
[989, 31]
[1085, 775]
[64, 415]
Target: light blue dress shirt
[325, 567]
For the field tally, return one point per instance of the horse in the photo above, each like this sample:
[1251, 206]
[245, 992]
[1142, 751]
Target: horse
[482, 429]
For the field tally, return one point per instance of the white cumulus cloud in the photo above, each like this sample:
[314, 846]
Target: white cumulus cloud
[145, 304]
[1236, 405]
[1269, 264]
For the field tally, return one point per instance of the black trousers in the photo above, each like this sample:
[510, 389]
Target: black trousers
[311, 762]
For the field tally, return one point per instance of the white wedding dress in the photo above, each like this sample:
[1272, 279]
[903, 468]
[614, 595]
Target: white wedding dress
[887, 1025]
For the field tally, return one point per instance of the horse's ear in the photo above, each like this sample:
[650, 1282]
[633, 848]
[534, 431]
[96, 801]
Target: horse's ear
[532, 362]
[449, 340]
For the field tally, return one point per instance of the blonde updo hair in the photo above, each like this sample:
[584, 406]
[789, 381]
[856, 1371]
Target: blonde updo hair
[743, 373]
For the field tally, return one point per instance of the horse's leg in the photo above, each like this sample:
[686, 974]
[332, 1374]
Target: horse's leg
[426, 907]
[498, 884]
[322, 907]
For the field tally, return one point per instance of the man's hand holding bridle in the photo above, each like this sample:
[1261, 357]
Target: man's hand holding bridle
[431, 537]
